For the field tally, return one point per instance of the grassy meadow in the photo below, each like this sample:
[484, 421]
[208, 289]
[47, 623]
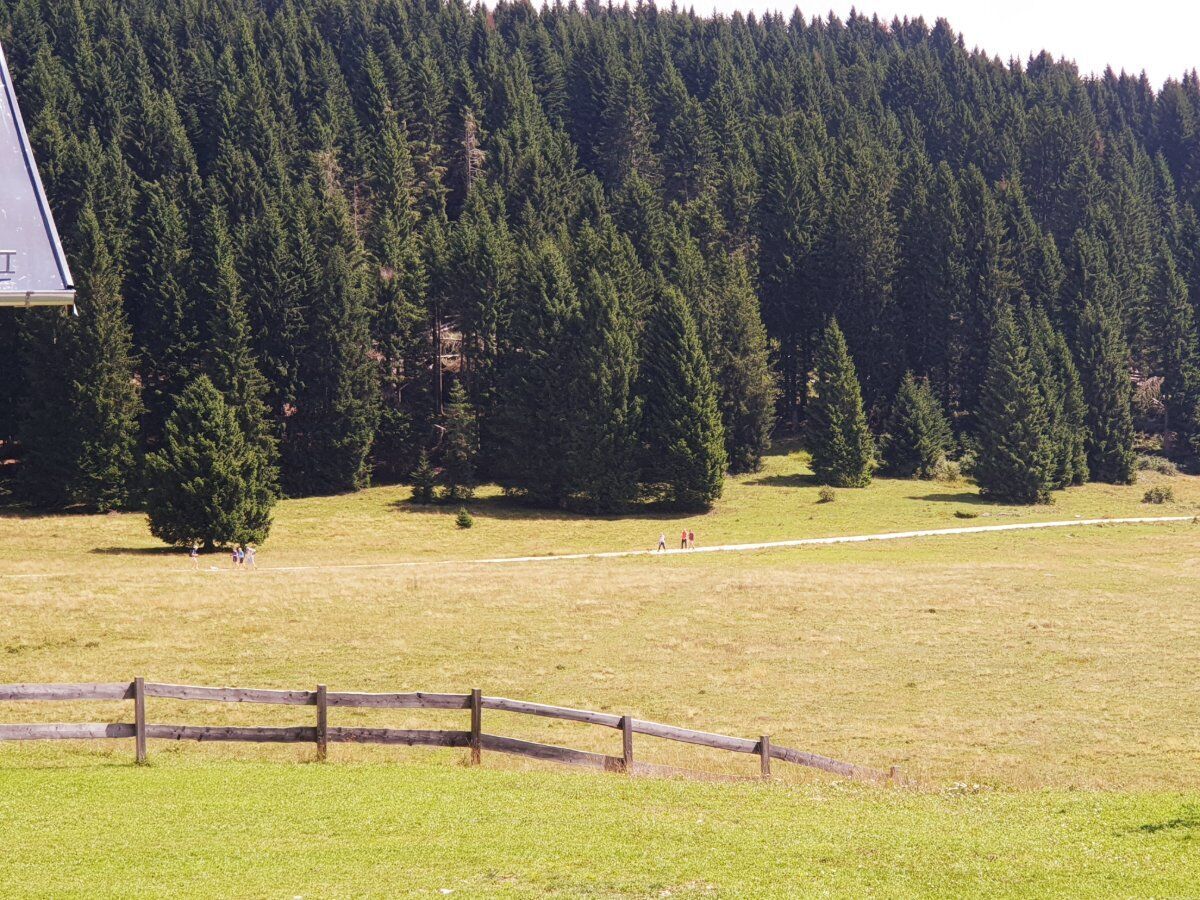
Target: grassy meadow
[1038, 686]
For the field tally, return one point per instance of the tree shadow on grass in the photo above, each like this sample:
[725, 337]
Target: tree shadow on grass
[794, 480]
[1188, 821]
[965, 497]
[139, 551]
[504, 508]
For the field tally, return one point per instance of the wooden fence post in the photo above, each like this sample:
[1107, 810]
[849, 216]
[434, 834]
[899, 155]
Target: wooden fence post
[476, 725]
[322, 723]
[627, 744]
[139, 718]
[764, 751]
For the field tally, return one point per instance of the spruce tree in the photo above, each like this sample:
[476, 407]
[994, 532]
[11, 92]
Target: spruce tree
[603, 456]
[919, 436]
[460, 447]
[1175, 342]
[739, 351]
[105, 403]
[842, 449]
[1015, 462]
[1072, 464]
[78, 430]
[683, 441]
[229, 359]
[424, 480]
[1107, 387]
[207, 484]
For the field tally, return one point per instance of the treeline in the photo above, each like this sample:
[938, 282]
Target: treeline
[620, 235]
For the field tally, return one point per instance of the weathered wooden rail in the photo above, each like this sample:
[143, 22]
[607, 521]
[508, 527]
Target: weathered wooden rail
[322, 734]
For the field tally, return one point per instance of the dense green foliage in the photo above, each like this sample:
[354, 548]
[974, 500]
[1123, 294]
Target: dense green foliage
[843, 451]
[919, 436]
[683, 440]
[461, 446]
[1016, 461]
[328, 207]
[209, 483]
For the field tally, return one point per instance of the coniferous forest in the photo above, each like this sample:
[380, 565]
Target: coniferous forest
[594, 254]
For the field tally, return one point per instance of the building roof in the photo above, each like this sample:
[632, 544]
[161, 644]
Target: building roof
[33, 267]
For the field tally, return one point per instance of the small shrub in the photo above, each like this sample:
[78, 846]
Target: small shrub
[947, 471]
[965, 514]
[966, 461]
[1160, 493]
[826, 495]
[1148, 462]
[463, 519]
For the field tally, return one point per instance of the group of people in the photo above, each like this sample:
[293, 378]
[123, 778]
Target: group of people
[687, 540]
[241, 557]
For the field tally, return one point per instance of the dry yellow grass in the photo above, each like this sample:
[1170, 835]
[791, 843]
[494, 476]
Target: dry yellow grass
[1030, 659]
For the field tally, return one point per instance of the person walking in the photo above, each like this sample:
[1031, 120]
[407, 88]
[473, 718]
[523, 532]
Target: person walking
[662, 541]
[233, 557]
[194, 554]
[691, 540]
[683, 539]
[250, 563]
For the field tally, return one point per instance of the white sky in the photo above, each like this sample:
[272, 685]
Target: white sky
[1160, 36]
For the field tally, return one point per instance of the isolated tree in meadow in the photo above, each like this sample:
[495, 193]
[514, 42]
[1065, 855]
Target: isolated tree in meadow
[919, 436]
[461, 446]
[1016, 462]
[207, 483]
[842, 449]
[683, 441]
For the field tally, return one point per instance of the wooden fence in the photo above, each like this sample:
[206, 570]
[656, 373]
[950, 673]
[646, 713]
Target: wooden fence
[322, 733]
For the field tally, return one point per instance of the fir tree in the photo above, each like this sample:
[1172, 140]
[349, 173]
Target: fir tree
[842, 449]
[79, 431]
[683, 442]
[739, 352]
[461, 446]
[105, 404]
[230, 362]
[1108, 390]
[919, 436]
[424, 480]
[207, 484]
[1174, 340]
[1015, 461]
[603, 450]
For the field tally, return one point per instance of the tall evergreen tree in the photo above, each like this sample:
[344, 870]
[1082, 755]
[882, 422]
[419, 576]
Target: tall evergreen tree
[1016, 461]
[683, 442]
[1108, 390]
[919, 436]
[207, 484]
[104, 397]
[461, 444]
[842, 448]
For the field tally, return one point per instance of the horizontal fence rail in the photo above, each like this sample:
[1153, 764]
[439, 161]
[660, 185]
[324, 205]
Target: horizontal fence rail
[321, 734]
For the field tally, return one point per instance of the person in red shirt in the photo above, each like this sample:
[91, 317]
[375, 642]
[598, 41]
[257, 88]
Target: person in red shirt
[683, 540]
[691, 541]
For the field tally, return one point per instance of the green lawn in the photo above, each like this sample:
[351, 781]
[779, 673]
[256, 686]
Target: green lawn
[1055, 670]
[286, 830]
